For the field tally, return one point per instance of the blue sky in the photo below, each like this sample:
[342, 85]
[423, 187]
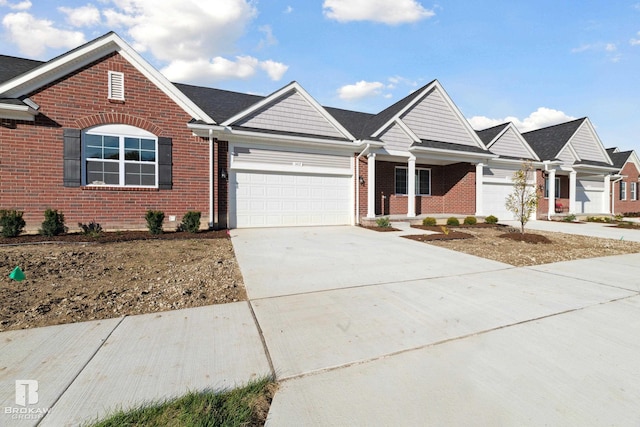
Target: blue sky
[533, 63]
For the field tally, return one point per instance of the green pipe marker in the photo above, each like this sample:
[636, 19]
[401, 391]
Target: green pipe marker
[17, 274]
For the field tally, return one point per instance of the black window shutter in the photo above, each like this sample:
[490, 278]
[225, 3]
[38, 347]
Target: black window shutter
[165, 163]
[72, 158]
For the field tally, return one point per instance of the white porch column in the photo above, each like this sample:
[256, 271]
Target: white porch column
[479, 181]
[572, 192]
[606, 197]
[551, 180]
[371, 185]
[411, 188]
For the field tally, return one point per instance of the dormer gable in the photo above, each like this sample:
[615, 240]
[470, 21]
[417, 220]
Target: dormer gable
[290, 109]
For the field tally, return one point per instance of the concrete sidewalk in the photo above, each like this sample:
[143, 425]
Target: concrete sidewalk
[86, 370]
[363, 328]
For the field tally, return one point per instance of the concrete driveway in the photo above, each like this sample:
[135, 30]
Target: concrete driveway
[367, 328]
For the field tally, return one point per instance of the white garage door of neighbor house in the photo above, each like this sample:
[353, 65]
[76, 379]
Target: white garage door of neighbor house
[494, 197]
[276, 199]
[589, 196]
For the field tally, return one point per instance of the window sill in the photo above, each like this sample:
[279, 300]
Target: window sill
[116, 101]
[115, 188]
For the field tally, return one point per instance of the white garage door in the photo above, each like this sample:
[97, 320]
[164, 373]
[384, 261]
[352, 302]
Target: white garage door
[494, 198]
[589, 196]
[276, 199]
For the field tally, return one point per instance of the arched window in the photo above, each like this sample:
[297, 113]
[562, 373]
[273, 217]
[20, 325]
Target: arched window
[119, 155]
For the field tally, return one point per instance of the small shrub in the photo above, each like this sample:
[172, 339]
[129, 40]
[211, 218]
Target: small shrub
[383, 222]
[92, 229]
[154, 221]
[190, 222]
[445, 230]
[11, 223]
[569, 218]
[53, 224]
[429, 221]
[602, 219]
[619, 217]
[453, 221]
[470, 220]
[491, 219]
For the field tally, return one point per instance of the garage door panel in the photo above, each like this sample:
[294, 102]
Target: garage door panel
[494, 197]
[271, 199]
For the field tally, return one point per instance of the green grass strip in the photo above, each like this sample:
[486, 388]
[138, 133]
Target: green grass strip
[245, 406]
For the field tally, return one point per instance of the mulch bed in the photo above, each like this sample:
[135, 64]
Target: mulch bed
[438, 228]
[381, 229]
[113, 236]
[527, 237]
[452, 235]
[627, 225]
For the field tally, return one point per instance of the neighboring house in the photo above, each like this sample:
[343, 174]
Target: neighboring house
[99, 134]
[513, 150]
[577, 168]
[624, 191]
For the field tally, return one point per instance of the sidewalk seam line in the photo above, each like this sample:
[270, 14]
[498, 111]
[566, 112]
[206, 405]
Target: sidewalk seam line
[82, 368]
[264, 342]
[448, 340]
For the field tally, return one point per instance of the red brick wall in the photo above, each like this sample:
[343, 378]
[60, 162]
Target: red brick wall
[362, 189]
[630, 173]
[452, 190]
[31, 153]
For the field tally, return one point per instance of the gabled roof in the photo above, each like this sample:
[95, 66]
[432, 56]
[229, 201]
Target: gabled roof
[219, 104]
[619, 158]
[548, 142]
[306, 101]
[11, 67]
[354, 121]
[383, 118]
[425, 143]
[489, 134]
[495, 139]
[40, 75]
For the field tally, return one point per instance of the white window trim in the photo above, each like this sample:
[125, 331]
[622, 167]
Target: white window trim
[634, 191]
[116, 86]
[623, 190]
[405, 168]
[546, 188]
[121, 132]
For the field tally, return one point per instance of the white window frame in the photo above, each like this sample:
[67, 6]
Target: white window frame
[623, 190]
[634, 191]
[406, 171]
[121, 132]
[546, 187]
[116, 85]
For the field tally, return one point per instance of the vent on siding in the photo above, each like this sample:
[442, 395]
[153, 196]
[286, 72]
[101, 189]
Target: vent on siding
[116, 85]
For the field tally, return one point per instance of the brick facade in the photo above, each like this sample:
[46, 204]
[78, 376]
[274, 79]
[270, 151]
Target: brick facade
[452, 190]
[31, 153]
[630, 174]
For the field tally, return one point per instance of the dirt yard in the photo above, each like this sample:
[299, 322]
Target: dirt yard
[112, 277]
[74, 278]
[487, 242]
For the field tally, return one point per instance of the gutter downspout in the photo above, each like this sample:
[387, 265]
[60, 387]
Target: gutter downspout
[365, 151]
[211, 183]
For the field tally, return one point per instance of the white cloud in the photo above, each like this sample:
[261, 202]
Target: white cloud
[289, 9]
[361, 89]
[23, 5]
[182, 29]
[85, 16]
[540, 118]
[274, 69]
[219, 68]
[610, 49]
[391, 12]
[635, 42]
[33, 36]
[269, 38]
